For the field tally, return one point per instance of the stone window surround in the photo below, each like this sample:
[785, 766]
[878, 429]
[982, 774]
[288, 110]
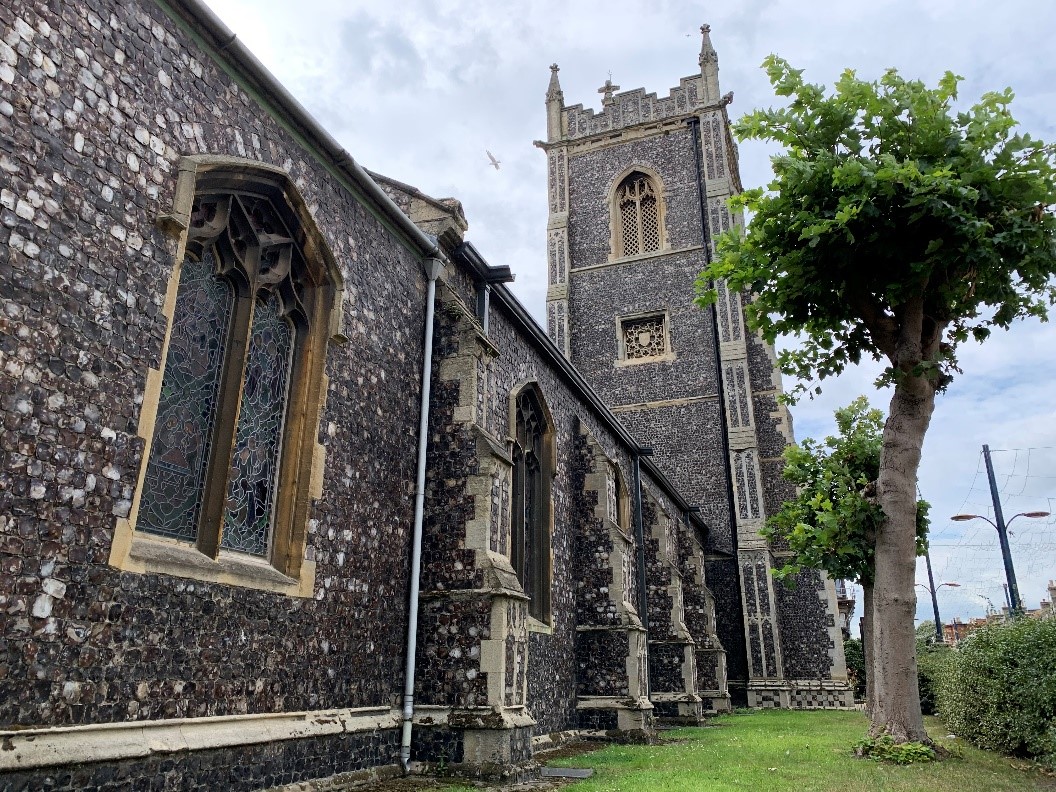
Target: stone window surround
[615, 215]
[286, 570]
[621, 355]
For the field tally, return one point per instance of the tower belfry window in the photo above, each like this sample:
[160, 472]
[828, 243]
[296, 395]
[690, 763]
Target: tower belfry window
[638, 211]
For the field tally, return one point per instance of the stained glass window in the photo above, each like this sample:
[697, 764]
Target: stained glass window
[639, 216]
[254, 465]
[175, 475]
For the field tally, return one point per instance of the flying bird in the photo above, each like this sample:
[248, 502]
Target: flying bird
[494, 162]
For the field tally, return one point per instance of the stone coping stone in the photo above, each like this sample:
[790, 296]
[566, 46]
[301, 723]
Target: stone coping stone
[567, 772]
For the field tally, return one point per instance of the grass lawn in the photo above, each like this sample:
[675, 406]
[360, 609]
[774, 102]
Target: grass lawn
[785, 750]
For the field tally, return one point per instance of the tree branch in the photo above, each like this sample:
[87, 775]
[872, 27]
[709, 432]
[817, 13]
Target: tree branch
[882, 327]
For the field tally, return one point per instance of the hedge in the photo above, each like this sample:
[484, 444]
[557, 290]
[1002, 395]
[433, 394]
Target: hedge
[999, 689]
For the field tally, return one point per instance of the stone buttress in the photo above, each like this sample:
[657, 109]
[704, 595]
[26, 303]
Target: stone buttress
[473, 621]
[611, 642]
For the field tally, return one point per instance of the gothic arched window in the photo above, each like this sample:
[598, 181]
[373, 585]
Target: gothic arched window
[638, 224]
[239, 407]
[616, 508]
[531, 502]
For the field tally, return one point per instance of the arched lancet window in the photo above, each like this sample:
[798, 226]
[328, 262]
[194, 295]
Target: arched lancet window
[234, 422]
[638, 226]
[531, 502]
[619, 513]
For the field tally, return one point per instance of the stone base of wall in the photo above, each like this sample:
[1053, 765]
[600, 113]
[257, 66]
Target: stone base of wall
[768, 695]
[800, 694]
[235, 768]
[633, 718]
[714, 702]
[677, 709]
[475, 743]
[821, 695]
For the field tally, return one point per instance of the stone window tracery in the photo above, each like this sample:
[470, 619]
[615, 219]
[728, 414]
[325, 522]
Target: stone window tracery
[638, 216]
[530, 551]
[234, 416]
[644, 337]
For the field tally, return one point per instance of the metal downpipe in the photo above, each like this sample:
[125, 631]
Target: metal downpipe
[639, 536]
[433, 268]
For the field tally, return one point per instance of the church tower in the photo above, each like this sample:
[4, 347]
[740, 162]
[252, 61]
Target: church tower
[637, 196]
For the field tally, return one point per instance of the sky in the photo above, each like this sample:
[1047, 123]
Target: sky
[420, 89]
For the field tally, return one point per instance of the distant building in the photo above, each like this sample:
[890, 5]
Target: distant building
[845, 605]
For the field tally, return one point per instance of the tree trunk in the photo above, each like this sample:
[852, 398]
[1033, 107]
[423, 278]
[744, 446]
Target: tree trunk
[896, 709]
[867, 647]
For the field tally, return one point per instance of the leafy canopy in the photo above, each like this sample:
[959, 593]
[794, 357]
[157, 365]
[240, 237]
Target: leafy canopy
[832, 522]
[887, 203]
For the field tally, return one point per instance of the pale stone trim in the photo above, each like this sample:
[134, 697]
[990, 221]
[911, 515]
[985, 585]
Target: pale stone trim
[637, 257]
[663, 403]
[536, 626]
[146, 553]
[557, 291]
[31, 748]
[674, 697]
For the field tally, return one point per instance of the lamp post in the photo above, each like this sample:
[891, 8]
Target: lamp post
[932, 589]
[1006, 553]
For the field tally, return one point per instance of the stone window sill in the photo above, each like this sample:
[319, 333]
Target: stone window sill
[536, 626]
[146, 554]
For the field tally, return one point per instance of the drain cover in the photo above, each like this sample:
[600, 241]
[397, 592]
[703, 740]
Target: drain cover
[567, 772]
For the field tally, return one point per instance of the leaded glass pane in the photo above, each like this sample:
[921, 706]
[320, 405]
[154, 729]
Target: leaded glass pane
[254, 465]
[179, 453]
[629, 218]
[650, 224]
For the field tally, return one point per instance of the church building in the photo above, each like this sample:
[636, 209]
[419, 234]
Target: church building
[292, 486]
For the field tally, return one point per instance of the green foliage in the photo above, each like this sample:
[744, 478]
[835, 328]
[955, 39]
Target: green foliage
[894, 222]
[999, 692]
[933, 662]
[831, 524]
[854, 654]
[885, 749]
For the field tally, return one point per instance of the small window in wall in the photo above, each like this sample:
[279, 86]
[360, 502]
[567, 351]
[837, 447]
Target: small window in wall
[644, 338]
[531, 502]
[638, 216]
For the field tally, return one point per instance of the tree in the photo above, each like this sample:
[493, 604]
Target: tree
[896, 228]
[833, 521]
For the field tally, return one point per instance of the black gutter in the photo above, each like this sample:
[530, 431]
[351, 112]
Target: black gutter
[639, 536]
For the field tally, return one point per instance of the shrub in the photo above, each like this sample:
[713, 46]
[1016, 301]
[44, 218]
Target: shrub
[855, 656]
[933, 662]
[1000, 691]
[885, 749]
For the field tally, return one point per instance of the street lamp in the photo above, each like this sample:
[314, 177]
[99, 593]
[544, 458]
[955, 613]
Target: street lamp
[1006, 553]
[932, 589]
